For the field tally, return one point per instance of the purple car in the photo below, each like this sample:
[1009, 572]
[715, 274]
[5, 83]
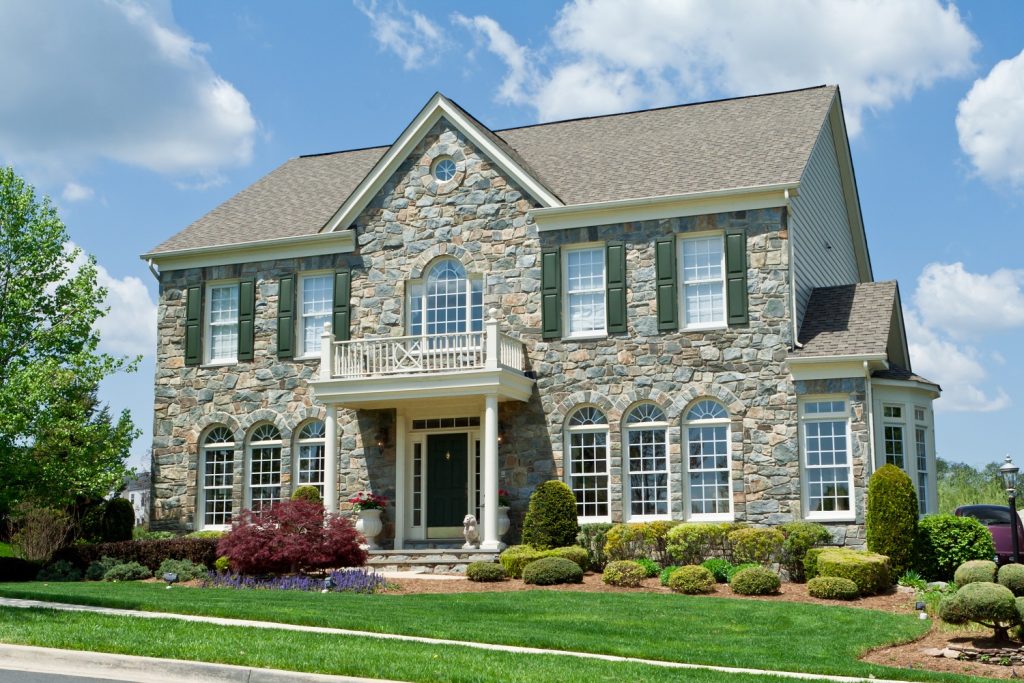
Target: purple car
[997, 519]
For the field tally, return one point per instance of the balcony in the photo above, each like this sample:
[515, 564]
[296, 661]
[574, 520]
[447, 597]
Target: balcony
[381, 372]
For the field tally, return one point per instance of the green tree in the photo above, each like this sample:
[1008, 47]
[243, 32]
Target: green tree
[960, 484]
[56, 442]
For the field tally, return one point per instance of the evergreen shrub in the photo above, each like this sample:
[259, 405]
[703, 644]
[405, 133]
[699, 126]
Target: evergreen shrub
[692, 543]
[17, 569]
[799, 538]
[485, 572]
[129, 571]
[755, 581]
[988, 604]
[548, 571]
[974, 571]
[624, 573]
[59, 571]
[870, 571]
[719, 567]
[118, 520]
[309, 494]
[832, 588]
[650, 567]
[185, 569]
[666, 573]
[98, 568]
[551, 517]
[692, 580]
[891, 517]
[760, 545]
[592, 538]
[1012, 576]
[944, 542]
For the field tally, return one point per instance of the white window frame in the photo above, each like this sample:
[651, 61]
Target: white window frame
[251, 445]
[417, 292]
[900, 423]
[805, 468]
[300, 318]
[567, 294]
[631, 427]
[602, 429]
[302, 444]
[707, 422]
[208, 322]
[681, 274]
[205, 447]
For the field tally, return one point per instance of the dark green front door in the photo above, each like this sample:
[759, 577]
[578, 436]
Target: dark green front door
[447, 477]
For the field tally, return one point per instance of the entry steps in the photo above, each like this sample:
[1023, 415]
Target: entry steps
[443, 560]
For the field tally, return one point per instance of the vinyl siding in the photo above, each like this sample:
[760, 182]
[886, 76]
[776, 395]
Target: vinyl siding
[819, 225]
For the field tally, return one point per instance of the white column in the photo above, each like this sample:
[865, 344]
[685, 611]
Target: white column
[326, 353]
[331, 458]
[401, 513]
[491, 359]
[491, 541]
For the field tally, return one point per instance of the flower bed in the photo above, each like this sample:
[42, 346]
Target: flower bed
[341, 581]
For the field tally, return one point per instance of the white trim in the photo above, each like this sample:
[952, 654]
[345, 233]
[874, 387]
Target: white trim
[208, 359]
[663, 206]
[684, 440]
[439, 106]
[567, 434]
[385, 392]
[249, 252]
[681, 240]
[627, 484]
[835, 367]
[298, 317]
[802, 420]
[566, 319]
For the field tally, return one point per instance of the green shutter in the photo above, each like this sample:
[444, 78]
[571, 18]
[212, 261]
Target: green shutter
[736, 276]
[551, 293]
[342, 304]
[665, 273]
[194, 326]
[246, 318]
[615, 284]
[286, 317]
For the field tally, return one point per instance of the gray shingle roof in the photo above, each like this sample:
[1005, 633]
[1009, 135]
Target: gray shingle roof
[847, 320]
[727, 144]
[896, 372]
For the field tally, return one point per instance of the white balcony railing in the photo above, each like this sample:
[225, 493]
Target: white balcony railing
[439, 353]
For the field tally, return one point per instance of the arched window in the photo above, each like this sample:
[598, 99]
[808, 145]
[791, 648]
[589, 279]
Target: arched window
[309, 468]
[587, 470]
[446, 301]
[264, 455]
[708, 461]
[217, 468]
[647, 461]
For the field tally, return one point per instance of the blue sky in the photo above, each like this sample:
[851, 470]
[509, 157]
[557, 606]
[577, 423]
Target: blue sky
[139, 117]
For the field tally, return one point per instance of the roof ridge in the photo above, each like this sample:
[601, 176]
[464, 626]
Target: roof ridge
[342, 151]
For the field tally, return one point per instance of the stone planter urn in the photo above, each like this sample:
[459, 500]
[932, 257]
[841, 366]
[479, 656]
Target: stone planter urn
[503, 521]
[369, 525]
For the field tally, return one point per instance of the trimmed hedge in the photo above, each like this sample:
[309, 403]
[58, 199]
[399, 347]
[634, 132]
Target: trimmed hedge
[516, 558]
[989, 604]
[944, 542]
[755, 581]
[832, 588]
[692, 543]
[692, 580]
[870, 571]
[811, 562]
[1012, 576]
[760, 545]
[548, 571]
[551, 517]
[148, 553]
[891, 517]
[975, 571]
[800, 537]
[624, 573]
[573, 553]
[636, 540]
[592, 538]
[485, 572]
[17, 569]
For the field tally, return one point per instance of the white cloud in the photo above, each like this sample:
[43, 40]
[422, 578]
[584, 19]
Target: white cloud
[114, 80]
[606, 55]
[969, 305]
[521, 75]
[73, 192]
[409, 34]
[990, 123]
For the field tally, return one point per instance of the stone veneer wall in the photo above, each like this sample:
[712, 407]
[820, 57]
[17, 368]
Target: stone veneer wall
[480, 218]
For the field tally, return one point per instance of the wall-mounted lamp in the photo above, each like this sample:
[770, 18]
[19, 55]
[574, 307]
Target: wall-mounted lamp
[381, 438]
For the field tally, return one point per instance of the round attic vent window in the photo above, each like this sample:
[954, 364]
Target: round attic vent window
[444, 169]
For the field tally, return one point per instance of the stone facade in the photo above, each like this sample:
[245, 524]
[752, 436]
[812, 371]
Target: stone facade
[480, 217]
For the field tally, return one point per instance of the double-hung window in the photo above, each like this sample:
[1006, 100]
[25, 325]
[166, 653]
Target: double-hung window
[703, 281]
[828, 463]
[316, 302]
[647, 457]
[585, 291]
[921, 457]
[310, 469]
[892, 427]
[217, 474]
[447, 301]
[708, 461]
[264, 467]
[587, 468]
[222, 322]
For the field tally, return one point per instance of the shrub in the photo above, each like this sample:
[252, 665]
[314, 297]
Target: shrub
[515, 558]
[129, 571]
[891, 516]
[485, 571]
[691, 544]
[832, 588]
[735, 568]
[870, 571]
[1012, 576]
[309, 494]
[719, 567]
[799, 537]
[149, 553]
[663, 577]
[38, 532]
[222, 563]
[650, 567]
[761, 545]
[573, 553]
[624, 573]
[944, 542]
[17, 569]
[592, 538]
[633, 541]
[755, 581]
[207, 533]
[118, 520]
[98, 568]
[988, 604]
[551, 517]
[548, 571]
[811, 562]
[185, 569]
[141, 534]
[291, 536]
[974, 571]
[59, 571]
[691, 579]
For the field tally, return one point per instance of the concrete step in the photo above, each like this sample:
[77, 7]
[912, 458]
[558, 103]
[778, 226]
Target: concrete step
[428, 560]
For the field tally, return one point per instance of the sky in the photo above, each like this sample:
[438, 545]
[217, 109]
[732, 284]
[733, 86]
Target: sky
[139, 117]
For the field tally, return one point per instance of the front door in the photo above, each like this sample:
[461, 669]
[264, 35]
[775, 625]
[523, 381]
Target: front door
[447, 478]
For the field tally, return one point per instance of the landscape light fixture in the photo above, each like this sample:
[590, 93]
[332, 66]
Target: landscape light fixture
[171, 578]
[1008, 471]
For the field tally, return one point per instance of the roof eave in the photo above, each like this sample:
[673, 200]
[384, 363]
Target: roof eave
[248, 252]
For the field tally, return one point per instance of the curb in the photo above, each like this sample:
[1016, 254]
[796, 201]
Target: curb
[112, 667]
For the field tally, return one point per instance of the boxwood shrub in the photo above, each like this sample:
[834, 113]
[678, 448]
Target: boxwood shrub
[832, 588]
[800, 537]
[944, 542]
[988, 604]
[870, 571]
[755, 581]
[811, 562]
[975, 571]
[1012, 576]
[548, 571]
[692, 543]
[760, 545]
[485, 572]
[571, 552]
[636, 540]
[624, 573]
[97, 568]
[692, 579]
[516, 558]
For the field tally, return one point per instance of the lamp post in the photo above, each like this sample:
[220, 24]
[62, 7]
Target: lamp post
[1009, 473]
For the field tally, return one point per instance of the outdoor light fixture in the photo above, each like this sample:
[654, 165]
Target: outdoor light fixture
[919, 606]
[171, 578]
[328, 585]
[1008, 471]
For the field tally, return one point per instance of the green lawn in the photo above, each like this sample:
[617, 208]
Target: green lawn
[765, 635]
[5, 550]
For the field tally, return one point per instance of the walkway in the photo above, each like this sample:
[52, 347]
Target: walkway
[248, 623]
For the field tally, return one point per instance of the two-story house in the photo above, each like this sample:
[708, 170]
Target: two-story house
[671, 310]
